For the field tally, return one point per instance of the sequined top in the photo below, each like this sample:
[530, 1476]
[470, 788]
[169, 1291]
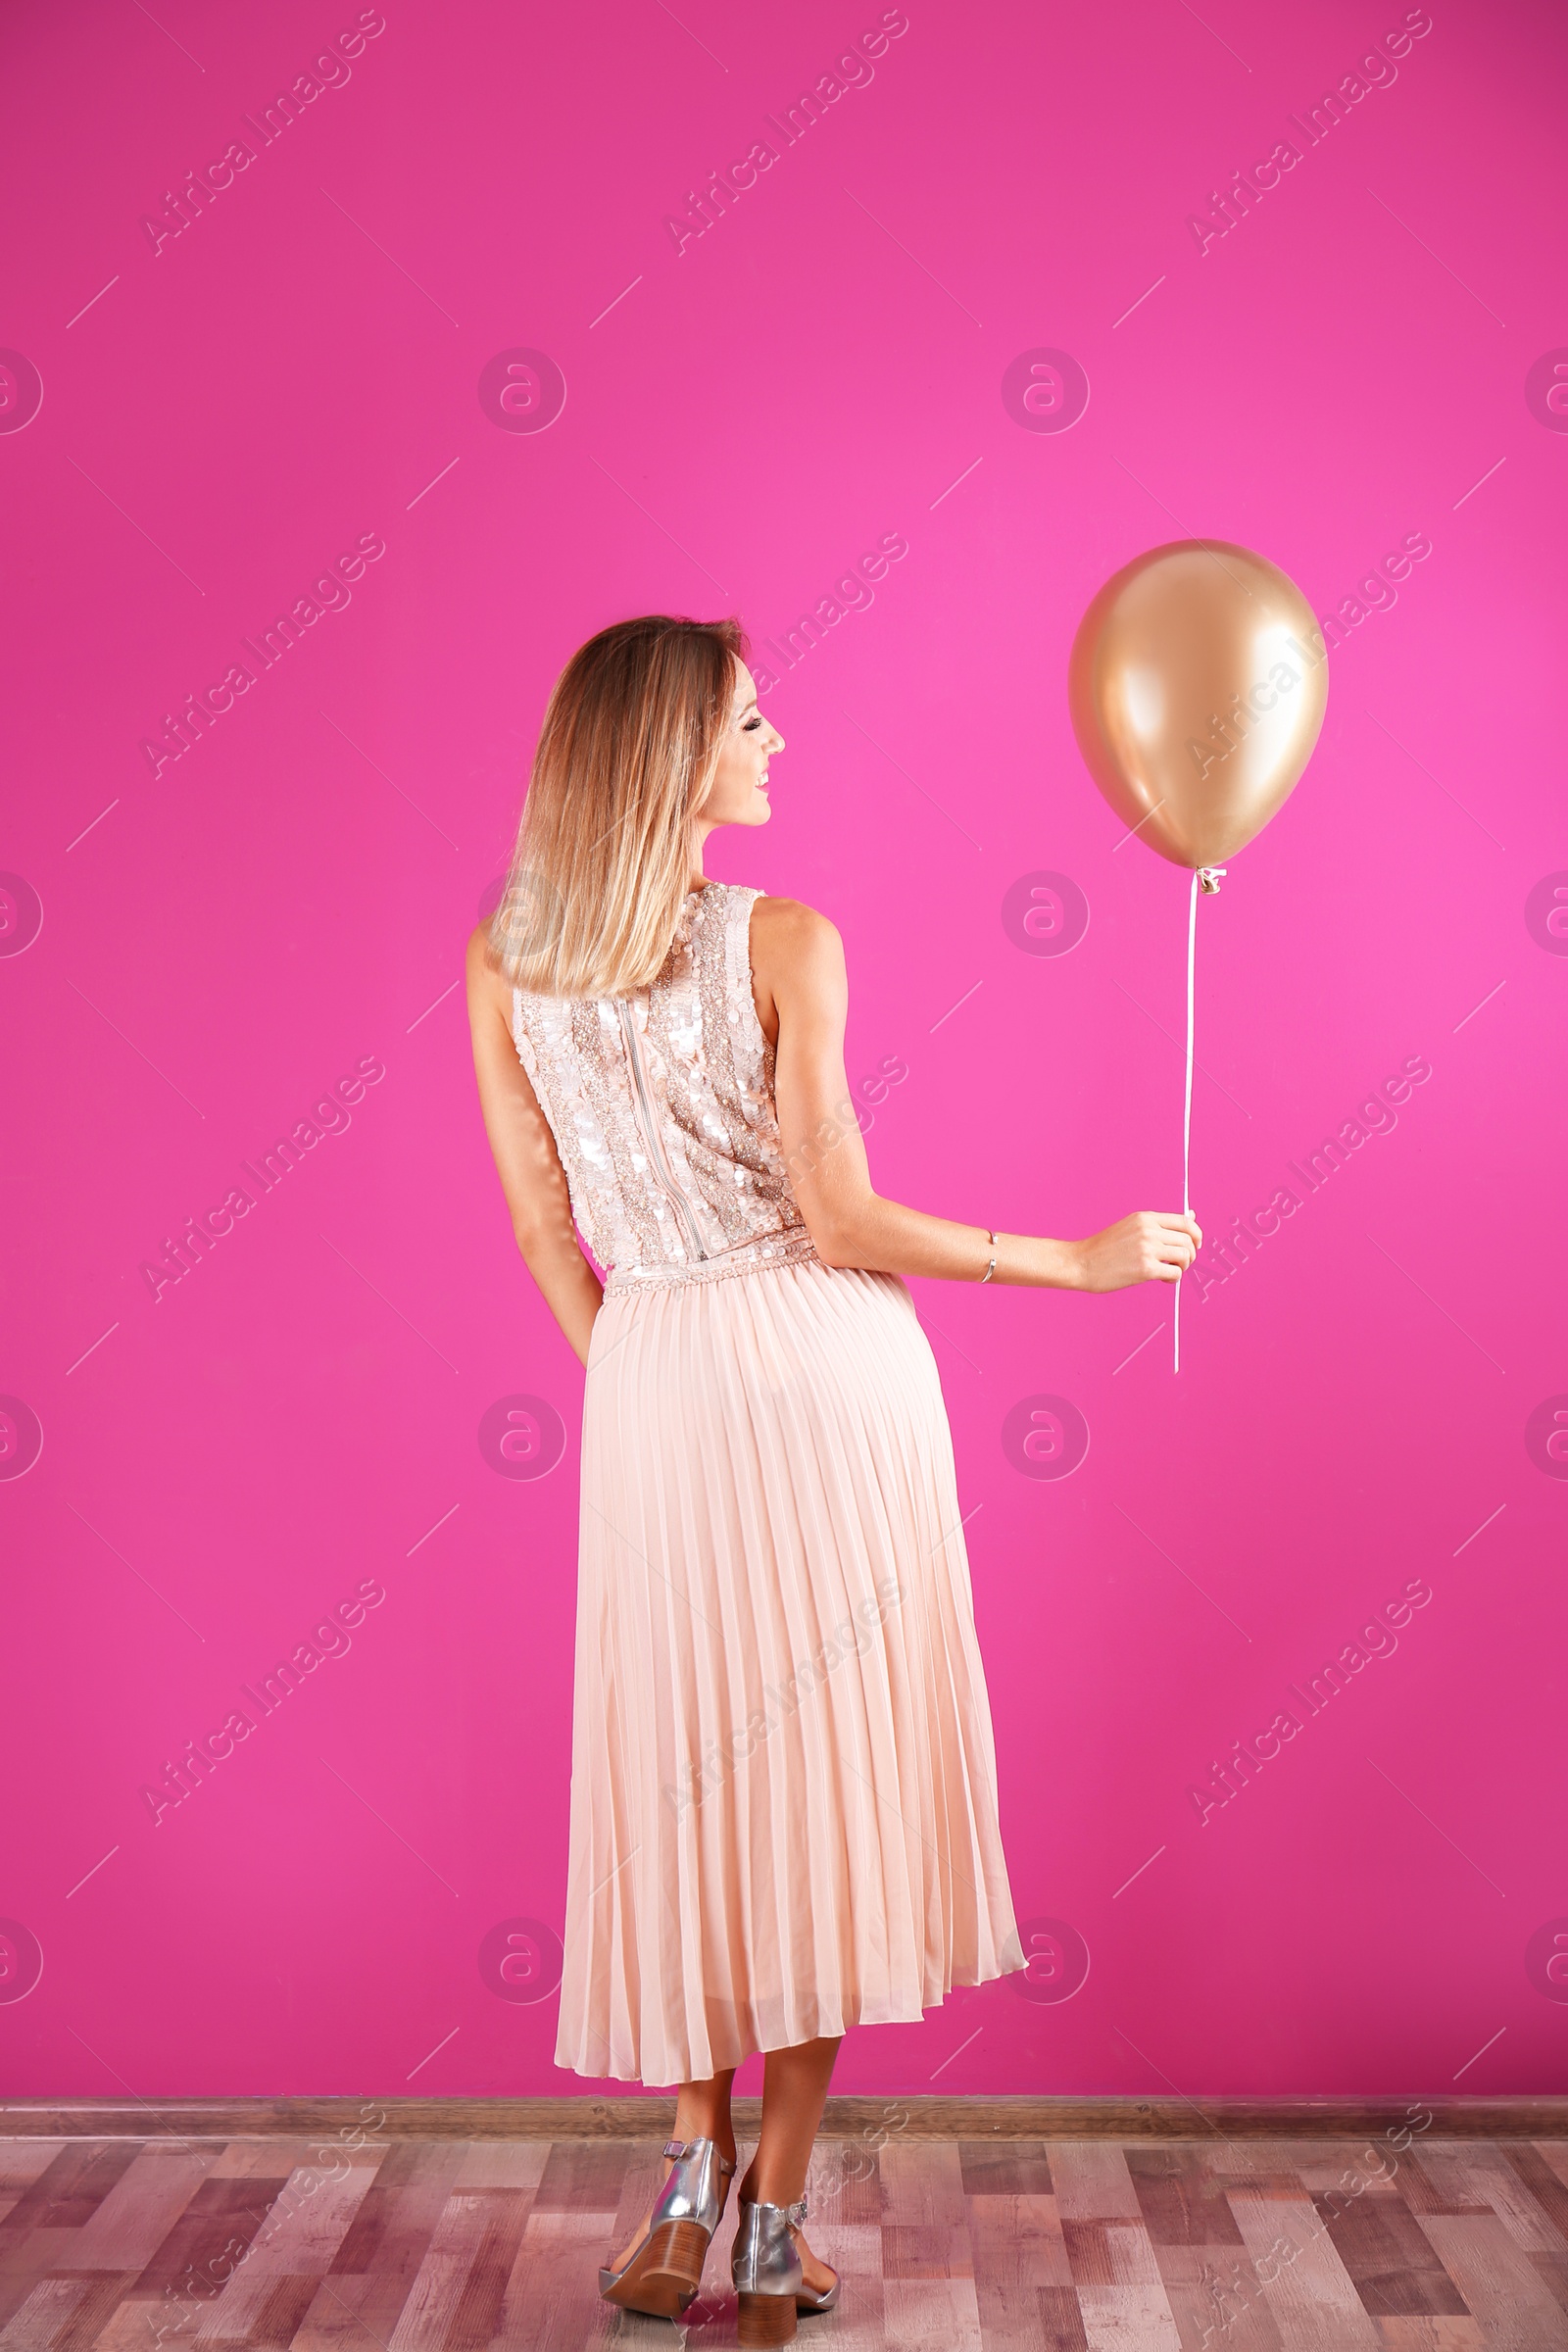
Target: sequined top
[662, 1106]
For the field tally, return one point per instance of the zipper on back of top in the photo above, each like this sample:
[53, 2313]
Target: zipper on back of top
[657, 1157]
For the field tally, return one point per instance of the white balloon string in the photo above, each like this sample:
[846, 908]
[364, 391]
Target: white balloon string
[1187, 1105]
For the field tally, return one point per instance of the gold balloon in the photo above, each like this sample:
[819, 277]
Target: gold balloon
[1198, 683]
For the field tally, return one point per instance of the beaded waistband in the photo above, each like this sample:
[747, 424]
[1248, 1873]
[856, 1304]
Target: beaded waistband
[751, 1258]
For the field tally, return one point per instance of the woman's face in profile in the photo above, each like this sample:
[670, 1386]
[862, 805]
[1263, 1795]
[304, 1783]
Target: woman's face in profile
[738, 794]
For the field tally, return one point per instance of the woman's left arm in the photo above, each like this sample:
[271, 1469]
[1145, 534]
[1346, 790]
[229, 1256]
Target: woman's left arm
[532, 1177]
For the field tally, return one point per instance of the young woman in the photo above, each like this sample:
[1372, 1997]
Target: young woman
[783, 1777]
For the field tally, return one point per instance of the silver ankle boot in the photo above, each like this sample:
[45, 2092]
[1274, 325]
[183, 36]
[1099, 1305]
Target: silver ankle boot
[664, 2269]
[765, 2266]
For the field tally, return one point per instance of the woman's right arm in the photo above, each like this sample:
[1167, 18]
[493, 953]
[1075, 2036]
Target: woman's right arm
[802, 1000]
[532, 1177]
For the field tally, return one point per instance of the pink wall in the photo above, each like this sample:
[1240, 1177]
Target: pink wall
[317, 364]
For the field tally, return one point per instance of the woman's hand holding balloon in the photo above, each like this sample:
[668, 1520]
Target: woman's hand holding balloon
[1151, 1246]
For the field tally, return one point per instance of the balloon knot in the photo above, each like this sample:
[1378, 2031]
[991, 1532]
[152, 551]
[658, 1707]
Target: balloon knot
[1209, 877]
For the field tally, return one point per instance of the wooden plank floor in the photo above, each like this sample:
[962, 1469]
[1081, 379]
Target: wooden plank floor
[377, 2243]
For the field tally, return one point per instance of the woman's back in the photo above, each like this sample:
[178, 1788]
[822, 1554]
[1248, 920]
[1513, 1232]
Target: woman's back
[662, 1107]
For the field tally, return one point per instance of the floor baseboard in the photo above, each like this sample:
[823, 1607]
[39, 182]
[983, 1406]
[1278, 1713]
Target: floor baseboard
[874, 2120]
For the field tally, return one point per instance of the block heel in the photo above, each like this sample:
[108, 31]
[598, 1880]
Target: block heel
[765, 2321]
[675, 2254]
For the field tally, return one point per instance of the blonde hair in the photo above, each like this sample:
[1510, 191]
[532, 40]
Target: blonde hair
[625, 756]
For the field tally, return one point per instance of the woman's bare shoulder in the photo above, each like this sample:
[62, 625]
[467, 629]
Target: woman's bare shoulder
[788, 928]
[797, 953]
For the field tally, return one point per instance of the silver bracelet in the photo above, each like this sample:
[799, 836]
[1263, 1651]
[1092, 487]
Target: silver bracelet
[991, 1270]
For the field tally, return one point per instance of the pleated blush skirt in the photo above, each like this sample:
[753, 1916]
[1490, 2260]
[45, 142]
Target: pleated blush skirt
[783, 1780]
